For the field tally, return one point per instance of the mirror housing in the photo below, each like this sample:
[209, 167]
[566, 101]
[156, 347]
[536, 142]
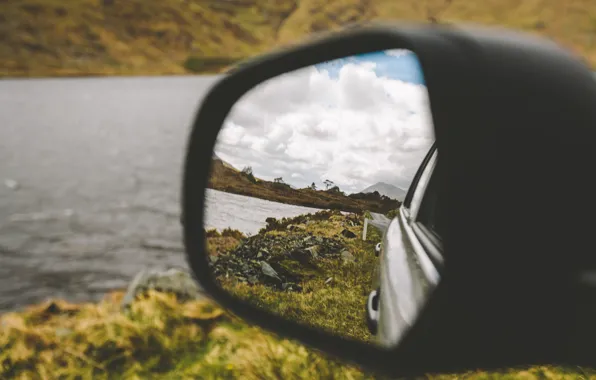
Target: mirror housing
[506, 258]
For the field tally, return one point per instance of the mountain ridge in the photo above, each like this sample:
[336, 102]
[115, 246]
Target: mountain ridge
[387, 189]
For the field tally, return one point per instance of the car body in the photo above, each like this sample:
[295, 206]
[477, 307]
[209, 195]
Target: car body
[410, 259]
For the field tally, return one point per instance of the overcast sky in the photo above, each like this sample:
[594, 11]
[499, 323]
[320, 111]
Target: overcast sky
[355, 121]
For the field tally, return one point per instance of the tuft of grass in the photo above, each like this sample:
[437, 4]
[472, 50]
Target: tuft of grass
[219, 242]
[392, 213]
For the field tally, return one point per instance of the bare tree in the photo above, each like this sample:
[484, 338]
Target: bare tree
[328, 184]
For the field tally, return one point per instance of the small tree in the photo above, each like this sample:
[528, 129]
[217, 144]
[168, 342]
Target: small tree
[278, 180]
[313, 186]
[328, 184]
[247, 171]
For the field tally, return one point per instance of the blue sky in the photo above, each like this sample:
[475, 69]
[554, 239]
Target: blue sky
[404, 67]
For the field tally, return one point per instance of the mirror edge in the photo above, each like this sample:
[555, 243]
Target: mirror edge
[430, 43]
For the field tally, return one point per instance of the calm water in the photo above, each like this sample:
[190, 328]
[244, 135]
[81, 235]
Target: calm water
[224, 209]
[89, 184]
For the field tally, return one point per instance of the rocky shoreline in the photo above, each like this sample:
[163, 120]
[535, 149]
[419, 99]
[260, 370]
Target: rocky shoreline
[284, 253]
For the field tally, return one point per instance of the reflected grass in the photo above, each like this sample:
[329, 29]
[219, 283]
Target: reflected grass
[334, 292]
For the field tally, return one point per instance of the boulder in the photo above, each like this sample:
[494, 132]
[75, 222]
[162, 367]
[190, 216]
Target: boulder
[349, 234]
[176, 281]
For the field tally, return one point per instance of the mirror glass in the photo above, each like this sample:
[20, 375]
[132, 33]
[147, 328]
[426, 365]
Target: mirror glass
[310, 182]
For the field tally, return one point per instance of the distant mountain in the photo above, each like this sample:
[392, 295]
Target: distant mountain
[388, 190]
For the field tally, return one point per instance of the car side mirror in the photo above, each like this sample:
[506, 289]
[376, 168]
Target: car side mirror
[494, 101]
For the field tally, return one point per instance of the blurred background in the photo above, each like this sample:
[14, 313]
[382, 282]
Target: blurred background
[151, 37]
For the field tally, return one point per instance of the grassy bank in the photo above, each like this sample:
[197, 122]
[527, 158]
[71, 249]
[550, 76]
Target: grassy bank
[151, 37]
[325, 256]
[228, 179]
[160, 337]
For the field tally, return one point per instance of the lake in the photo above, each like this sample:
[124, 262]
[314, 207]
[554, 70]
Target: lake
[90, 184]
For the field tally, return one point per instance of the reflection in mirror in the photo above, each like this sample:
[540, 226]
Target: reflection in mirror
[307, 196]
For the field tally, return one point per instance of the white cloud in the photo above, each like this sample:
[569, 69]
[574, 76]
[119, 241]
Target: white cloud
[355, 130]
[397, 52]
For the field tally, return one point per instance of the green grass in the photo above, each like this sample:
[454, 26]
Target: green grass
[392, 213]
[336, 305]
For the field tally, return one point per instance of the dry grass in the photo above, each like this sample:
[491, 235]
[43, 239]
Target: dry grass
[151, 37]
[161, 338]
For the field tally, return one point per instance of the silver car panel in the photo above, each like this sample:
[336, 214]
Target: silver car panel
[406, 274]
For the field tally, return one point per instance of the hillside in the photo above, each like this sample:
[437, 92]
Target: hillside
[226, 178]
[151, 37]
[386, 189]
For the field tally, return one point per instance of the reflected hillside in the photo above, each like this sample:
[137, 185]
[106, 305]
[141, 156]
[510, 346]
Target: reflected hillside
[224, 177]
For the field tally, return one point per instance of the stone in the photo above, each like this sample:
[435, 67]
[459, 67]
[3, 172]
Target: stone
[268, 270]
[349, 234]
[314, 251]
[291, 258]
[176, 281]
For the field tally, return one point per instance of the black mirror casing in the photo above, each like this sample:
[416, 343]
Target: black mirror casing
[512, 114]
